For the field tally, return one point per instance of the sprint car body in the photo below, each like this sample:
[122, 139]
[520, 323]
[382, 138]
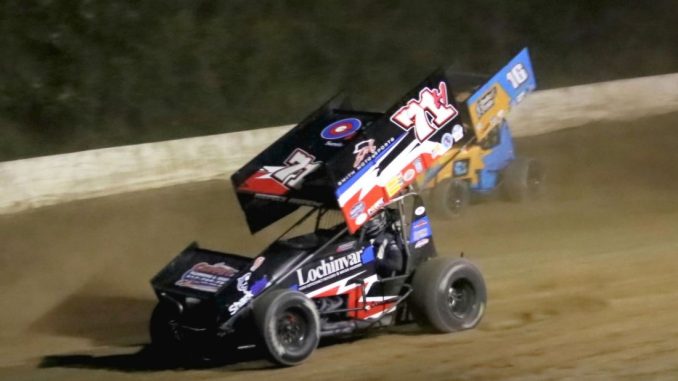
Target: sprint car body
[487, 163]
[366, 256]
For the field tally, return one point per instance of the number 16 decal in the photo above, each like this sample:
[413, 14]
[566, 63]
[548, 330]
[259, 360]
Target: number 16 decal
[517, 75]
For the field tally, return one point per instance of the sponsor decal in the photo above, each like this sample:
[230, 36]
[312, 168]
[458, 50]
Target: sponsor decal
[363, 150]
[240, 303]
[457, 132]
[386, 145]
[418, 165]
[330, 143]
[427, 113]
[394, 185]
[242, 285]
[421, 228]
[421, 243]
[520, 96]
[357, 210]
[361, 219]
[486, 102]
[447, 141]
[341, 129]
[328, 268]
[409, 175]
[372, 210]
[460, 167]
[419, 211]
[257, 263]
[345, 246]
[291, 200]
[207, 277]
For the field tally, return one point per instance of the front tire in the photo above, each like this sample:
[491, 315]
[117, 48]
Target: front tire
[448, 295]
[289, 324]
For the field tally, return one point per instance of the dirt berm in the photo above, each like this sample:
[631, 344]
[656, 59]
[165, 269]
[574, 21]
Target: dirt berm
[582, 283]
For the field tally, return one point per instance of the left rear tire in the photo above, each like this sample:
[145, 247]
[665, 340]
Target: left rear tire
[522, 179]
[165, 339]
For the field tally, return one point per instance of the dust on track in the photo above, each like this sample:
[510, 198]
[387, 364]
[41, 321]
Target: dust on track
[581, 283]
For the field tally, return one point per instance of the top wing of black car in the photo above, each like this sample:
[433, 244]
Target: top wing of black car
[351, 160]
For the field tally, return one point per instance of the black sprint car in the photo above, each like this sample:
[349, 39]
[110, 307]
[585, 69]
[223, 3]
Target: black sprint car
[366, 257]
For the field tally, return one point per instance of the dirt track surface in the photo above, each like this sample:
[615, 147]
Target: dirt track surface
[582, 283]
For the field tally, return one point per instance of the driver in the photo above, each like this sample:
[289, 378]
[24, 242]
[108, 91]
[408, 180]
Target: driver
[382, 237]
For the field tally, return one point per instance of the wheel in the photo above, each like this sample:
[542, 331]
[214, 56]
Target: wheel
[522, 179]
[448, 295]
[173, 345]
[165, 340]
[451, 197]
[289, 324]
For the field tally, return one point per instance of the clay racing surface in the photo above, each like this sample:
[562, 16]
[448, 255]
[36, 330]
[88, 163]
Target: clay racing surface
[582, 284]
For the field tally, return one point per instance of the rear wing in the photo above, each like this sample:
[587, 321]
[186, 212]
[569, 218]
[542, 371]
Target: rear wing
[198, 272]
[489, 105]
[352, 160]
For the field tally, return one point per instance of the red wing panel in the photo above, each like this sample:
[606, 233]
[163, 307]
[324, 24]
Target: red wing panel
[262, 182]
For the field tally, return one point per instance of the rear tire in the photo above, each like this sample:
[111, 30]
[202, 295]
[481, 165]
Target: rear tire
[523, 178]
[165, 341]
[289, 324]
[448, 295]
[451, 197]
[172, 343]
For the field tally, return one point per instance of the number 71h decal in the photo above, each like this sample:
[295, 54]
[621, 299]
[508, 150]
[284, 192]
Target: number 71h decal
[427, 114]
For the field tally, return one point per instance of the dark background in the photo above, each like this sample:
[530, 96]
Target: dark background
[78, 74]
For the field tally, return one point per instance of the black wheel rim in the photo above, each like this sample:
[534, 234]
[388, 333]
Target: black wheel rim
[455, 200]
[291, 328]
[461, 298]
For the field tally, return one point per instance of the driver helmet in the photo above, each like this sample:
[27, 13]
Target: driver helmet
[376, 225]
